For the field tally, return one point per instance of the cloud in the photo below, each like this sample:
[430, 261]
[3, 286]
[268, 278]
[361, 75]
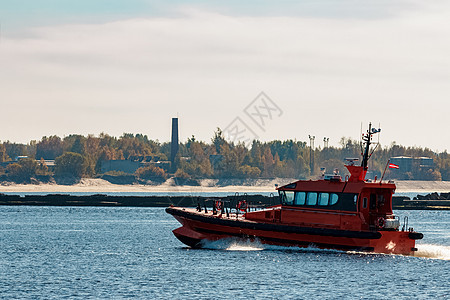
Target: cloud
[133, 75]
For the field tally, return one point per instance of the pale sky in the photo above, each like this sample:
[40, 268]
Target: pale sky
[85, 67]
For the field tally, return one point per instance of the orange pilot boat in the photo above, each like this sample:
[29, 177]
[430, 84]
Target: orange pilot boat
[329, 213]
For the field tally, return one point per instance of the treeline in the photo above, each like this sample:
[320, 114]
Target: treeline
[80, 156]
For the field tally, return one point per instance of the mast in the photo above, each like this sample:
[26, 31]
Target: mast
[367, 139]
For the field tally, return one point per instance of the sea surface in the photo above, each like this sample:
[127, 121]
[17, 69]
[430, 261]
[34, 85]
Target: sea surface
[122, 253]
[175, 193]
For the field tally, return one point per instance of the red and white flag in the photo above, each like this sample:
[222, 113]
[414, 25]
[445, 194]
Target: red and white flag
[393, 166]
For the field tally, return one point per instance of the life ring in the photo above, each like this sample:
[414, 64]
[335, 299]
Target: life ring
[242, 206]
[381, 222]
[218, 205]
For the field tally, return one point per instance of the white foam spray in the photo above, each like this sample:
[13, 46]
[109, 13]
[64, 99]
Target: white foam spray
[433, 251]
[232, 244]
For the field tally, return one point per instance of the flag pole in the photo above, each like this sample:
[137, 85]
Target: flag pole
[381, 180]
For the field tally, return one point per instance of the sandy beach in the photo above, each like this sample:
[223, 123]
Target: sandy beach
[263, 186]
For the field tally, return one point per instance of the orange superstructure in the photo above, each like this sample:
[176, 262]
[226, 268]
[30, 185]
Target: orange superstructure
[350, 214]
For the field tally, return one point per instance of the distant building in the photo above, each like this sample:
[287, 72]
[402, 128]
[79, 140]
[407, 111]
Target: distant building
[425, 162]
[411, 164]
[126, 166]
[50, 163]
[20, 157]
[405, 163]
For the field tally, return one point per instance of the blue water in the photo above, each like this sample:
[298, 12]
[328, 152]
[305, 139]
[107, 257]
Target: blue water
[176, 193]
[107, 252]
[145, 194]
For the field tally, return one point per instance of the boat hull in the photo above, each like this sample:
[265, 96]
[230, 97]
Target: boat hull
[198, 227]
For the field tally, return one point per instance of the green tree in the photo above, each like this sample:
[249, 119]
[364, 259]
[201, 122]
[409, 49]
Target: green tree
[70, 164]
[75, 143]
[230, 163]
[218, 140]
[14, 150]
[29, 167]
[14, 172]
[198, 164]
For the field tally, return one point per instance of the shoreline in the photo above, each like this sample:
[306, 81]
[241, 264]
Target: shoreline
[207, 186]
[102, 200]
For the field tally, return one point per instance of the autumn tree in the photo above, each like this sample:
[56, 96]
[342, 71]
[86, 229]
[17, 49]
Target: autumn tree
[23, 170]
[151, 172]
[3, 156]
[42, 168]
[247, 171]
[49, 147]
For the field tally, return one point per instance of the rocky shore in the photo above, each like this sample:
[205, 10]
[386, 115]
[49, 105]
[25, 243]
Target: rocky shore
[431, 201]
[398, 202]
[433, 196]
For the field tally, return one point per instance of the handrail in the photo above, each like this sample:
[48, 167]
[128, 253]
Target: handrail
[405, 223]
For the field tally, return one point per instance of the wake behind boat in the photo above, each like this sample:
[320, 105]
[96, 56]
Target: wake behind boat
[330, 213]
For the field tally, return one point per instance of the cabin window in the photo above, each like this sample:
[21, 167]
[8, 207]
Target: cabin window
[373, 201]
[323, 199]
[347, 201]
[311, 199]
[365, 202]
[288, 197]
[381, 200]
[300, 198]
[334, 199]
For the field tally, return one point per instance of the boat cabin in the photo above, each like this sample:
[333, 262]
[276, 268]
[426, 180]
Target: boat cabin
[333, 203]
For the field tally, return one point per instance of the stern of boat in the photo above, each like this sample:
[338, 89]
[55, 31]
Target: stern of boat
[396, 242]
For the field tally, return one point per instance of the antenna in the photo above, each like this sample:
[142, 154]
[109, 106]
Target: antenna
[379, 130]
[360, 139]
[311, 154]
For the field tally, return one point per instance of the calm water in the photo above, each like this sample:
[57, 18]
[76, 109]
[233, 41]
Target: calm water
[175, 193]
[102, 252]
